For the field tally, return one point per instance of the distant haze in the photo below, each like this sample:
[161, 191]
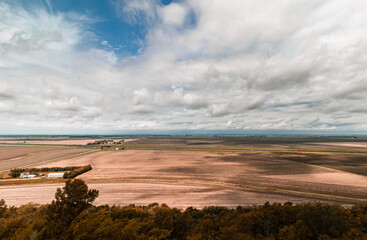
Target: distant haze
[190, 66]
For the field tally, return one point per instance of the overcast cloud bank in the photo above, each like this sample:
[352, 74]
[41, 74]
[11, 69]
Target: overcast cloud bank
[203, 64]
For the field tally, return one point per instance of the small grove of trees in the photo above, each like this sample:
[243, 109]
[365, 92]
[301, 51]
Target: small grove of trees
[78, 171]
[106, 142]
[72, 216]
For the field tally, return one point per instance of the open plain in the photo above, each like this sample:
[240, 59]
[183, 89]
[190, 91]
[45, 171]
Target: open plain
[54, 141]
[200, 171]
[28, 156]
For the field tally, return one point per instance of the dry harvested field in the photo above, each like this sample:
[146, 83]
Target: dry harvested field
[60, 141]
[293, 142]
[362, 145]
[24, 156]
[9, 152]
[261, 172]
[144, 193]
[275, 170]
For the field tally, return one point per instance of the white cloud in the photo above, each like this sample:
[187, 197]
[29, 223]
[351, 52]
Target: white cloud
[219, 110]
[173, 14]
[108, 56]
[137, 11]
[23, 30]
[240, 64]
[70, 104]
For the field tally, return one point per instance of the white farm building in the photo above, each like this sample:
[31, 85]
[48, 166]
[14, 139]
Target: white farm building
[55, 175]
[27, 175]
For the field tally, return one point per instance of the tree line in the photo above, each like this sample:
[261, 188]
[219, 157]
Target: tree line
[72, 215]
[77, 171]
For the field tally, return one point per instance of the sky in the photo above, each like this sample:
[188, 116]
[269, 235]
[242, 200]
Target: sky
[117, 66]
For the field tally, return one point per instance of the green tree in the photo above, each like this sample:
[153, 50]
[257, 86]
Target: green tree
[3, 207]
[72, 199]
[69, 202]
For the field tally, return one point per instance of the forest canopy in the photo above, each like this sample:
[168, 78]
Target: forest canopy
[72, 215]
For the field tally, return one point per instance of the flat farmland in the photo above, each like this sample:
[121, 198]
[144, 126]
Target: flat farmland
[252, 142]
[143, 193]
[10, 152]
[267, 173]
[231, 171]
[24, 156]
[57, 141]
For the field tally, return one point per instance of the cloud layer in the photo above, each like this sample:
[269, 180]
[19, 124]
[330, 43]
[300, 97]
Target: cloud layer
[204, 64]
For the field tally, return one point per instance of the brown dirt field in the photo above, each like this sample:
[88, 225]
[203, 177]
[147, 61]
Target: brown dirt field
[262, 170]
[9, 152]
[17, 181]
[334, 178]
[281, 142]
[198, 178]
[142, 193]
[345, 144]
[152, 164]
[352, 163]
[63, 142]
[34, 155]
